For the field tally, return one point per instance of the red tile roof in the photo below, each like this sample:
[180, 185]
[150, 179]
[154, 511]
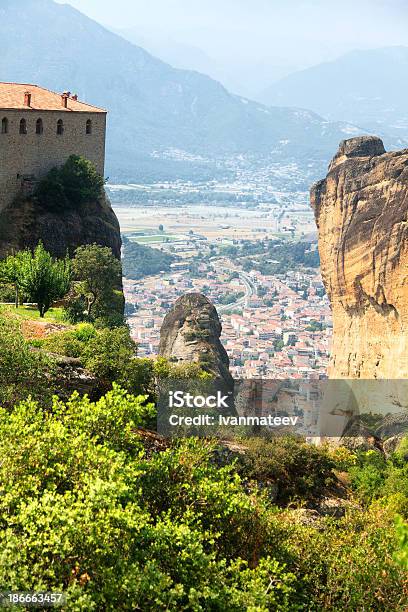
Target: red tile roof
[12, 96]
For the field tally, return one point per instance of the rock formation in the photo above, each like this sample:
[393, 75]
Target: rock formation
[361, 211]
[191, 333]
[25, 222]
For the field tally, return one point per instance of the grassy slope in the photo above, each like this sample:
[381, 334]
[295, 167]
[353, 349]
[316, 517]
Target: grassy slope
[30, 313]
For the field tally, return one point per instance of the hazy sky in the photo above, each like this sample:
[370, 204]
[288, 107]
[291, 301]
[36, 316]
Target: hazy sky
[245, 33]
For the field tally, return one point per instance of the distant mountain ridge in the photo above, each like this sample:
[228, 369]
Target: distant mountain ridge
[368, 88]
[156, 113]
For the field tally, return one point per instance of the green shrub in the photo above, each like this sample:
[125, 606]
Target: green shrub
[109, 352]
[401, 451]
[367, 477]
[7, 292]
[80, 180]
[71, 185]
[298, 471]
[50, 191]
[394, 491]
[75, 309]
[348, 564]
[84, 510]
[108, 310]
[84, 332]
[75, 516]
[61, 343]
[23, 371]
[71, 343]
[343, 457]
[401, 555]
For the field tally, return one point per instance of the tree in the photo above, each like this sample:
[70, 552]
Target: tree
[98, 271]
[43, 278]
[161, 228]
[75, 183]
[80, 180]
[11, 272]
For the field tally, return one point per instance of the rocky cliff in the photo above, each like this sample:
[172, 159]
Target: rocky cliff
[26, 221]
[361, 211]
[191, 333]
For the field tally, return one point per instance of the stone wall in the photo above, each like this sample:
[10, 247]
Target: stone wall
[31, 154]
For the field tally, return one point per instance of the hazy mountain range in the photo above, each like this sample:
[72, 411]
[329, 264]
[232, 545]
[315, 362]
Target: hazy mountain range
[244, 77]
[368, 88]
[163, 121]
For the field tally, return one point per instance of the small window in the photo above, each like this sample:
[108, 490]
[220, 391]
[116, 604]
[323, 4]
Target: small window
[4, 125]
[39, 128]
[60, 127]
[89, 127]
[23, 126]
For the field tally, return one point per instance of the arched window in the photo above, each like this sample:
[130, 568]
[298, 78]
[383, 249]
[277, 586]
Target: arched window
[4, 125]
[39, 128]
[23, 126]
[60, 127]
[89, 127]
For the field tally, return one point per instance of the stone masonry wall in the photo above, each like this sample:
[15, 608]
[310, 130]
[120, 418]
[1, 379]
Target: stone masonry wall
[31, 154]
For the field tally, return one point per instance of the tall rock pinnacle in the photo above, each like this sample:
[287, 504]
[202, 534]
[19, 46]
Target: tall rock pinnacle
[191, 333]
[361, 211]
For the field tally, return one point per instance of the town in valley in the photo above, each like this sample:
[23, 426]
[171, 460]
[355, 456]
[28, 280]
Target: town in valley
[251, 249]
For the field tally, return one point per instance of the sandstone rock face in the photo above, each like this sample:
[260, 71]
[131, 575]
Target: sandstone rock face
[361, 211]
[191, 333]
[25, 222]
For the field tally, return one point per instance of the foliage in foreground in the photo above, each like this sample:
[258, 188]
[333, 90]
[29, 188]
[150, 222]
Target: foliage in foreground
[295, 469]
[85, 510]
[111, 355]
[23, 371]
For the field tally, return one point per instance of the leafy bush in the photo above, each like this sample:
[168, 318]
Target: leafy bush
[297, 470]
[75, 516]
[367, 477]
[108, 310]
[109, 352]
[84, 510]
[84, 332]
[401, 451]
[383, 481]
[50, 191]
[23, 372]
[7, 292]
[75, 309]
[401, 555]
[348, 564]
[343, 457]
[80, 180]
[75, 183]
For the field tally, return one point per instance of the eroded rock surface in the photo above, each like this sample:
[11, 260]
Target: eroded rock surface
[25, 222]
[191, 333]
[361, 211]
